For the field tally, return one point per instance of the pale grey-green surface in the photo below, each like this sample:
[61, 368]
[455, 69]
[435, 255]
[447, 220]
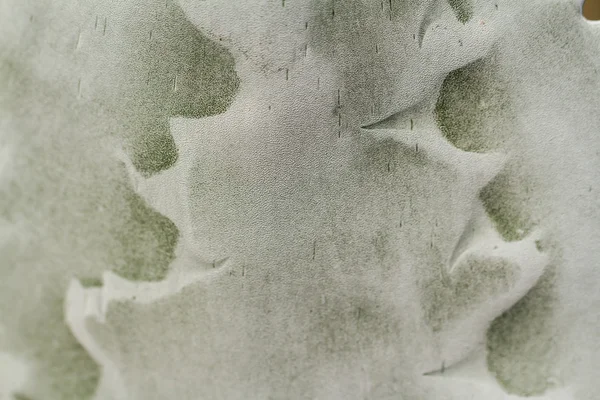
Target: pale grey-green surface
[296, 199]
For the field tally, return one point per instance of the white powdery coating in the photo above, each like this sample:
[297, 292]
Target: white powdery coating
[558, 146]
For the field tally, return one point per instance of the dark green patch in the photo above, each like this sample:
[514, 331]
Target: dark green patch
[463, 9]
[20, 396]
[157, 152]
[385, 156]
[173, 70]
[503, 202]
[474, 108]
[539, 245]
[89, 282]
[449, 296]
[157, 232]
[521, 347]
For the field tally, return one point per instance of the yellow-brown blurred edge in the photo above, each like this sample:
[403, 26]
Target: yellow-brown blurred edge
[591, 9]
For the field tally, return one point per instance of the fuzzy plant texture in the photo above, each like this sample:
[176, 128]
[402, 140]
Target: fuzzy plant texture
[299, 199]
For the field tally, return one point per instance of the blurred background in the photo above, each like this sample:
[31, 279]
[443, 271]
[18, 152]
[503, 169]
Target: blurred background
[591, 9]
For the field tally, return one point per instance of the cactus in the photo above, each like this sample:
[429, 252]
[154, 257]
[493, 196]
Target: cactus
[321, 199]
